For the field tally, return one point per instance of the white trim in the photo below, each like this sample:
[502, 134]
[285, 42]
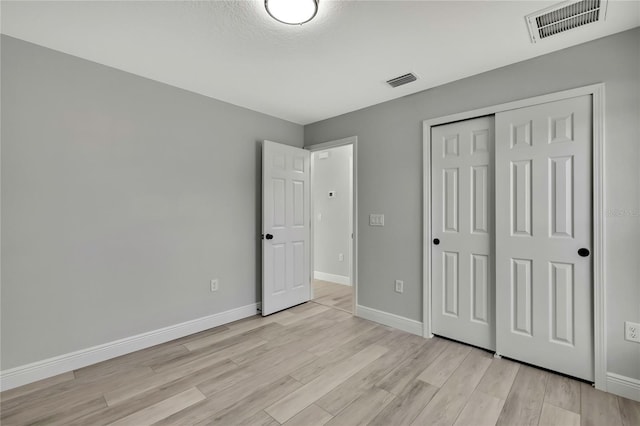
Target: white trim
[623, 386]
[391, 320]
[338, 279]
[426, 228]
[39, 370]
[352, 140]
[599, 283]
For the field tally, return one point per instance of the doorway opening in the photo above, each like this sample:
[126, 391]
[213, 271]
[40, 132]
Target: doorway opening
[332, 224]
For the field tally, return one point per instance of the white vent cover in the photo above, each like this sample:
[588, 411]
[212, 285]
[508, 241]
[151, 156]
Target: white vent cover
[564, 16]
[403, 79]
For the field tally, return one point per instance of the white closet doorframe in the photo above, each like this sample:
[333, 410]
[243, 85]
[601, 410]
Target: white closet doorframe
[599, 301]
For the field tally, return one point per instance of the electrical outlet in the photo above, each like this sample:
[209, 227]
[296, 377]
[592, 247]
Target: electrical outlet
[340, 257]
[632, 331]
[214, 285]
[399, 286]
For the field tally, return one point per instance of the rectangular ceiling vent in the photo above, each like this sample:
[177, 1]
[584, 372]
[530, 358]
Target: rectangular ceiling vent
[564, 16]
[403, 79]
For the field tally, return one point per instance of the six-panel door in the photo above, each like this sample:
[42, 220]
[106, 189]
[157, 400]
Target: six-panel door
[543, 219]
[462, 217]
[285, 227]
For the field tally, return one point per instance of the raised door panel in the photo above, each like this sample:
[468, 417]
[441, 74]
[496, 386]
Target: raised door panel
[480, 276]
[561, 307]
[521, 301]
[450, 283]
[521, 198]
[299, 278]
[561, 196]
[450, 202]
[279, 217]
[279, 268]
[480, 199]
[298, 203]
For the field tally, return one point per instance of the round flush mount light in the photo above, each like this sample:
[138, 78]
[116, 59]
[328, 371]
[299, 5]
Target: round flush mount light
[292, 12]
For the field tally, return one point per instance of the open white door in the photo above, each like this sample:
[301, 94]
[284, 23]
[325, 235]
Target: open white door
[285, 227]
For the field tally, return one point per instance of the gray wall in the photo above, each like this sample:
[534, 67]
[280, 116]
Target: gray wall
[121, 198]
[390, 174]
[332, 232]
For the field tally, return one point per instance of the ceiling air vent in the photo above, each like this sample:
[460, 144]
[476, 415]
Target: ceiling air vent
[403, 79]
[564, 16]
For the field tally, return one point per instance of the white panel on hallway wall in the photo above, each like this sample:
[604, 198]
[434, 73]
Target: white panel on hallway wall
[332, 199]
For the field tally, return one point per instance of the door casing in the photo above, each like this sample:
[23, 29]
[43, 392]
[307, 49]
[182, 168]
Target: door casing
[353, 140]
[599, 291]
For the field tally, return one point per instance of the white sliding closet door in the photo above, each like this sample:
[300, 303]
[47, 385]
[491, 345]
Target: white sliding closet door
[543, 236]
[462, 229]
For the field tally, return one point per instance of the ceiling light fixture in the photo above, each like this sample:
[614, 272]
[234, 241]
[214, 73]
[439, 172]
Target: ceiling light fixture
[292, 12]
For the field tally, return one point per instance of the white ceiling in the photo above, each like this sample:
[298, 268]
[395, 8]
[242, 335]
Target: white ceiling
[232, 50]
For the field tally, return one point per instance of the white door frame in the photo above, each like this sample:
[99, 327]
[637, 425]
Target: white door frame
[353, 140]
[599, 290]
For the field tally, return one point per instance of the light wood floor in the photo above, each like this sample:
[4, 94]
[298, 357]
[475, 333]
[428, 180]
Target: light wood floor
[338, 296]
[312, 365]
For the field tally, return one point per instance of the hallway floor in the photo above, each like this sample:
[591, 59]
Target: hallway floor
[337, 296]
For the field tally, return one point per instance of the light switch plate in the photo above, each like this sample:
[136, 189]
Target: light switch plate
[376, 220]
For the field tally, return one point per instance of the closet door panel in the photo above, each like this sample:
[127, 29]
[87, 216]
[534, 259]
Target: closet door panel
[543, 218]
[462, 216]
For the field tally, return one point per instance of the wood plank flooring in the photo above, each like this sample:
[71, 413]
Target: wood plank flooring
[337, 296]
[313, 364]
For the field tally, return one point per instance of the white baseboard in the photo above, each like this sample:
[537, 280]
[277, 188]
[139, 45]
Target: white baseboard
[39, 370]
[623, 386]
[338, 279]
[392, 320]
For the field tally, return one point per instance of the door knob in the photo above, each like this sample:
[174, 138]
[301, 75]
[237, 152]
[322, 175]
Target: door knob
[269, 237]
[436, 241]
[584, 252]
